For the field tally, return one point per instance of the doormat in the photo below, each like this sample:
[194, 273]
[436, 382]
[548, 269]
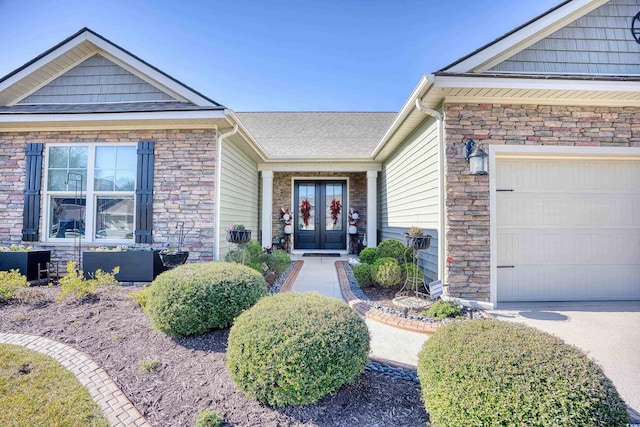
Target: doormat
[319, 254]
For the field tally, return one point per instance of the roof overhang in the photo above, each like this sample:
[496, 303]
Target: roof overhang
[320, 166]
[113, 121]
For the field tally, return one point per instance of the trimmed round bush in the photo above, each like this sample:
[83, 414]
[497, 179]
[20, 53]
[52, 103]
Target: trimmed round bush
[410, 270]
[386, 272]
[391, 248]
[368, 255]
[490, 372]
[363, 275]
[295, 348]
[195, 298]
[442, 309]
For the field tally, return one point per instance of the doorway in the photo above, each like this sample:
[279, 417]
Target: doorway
[320, 220]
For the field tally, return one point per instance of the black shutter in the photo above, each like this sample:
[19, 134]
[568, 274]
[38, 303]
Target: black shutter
[144, 192]
[31, 213]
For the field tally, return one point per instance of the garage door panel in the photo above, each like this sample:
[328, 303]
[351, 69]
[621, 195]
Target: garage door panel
[570, 228]
[530, 246]
[560, 283]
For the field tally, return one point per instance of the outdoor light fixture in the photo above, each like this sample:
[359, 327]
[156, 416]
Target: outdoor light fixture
[476, 157]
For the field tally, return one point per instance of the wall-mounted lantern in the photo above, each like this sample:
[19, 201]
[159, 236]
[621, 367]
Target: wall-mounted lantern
[476, 157]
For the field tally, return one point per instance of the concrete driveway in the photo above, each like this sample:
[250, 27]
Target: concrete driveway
[608, 332]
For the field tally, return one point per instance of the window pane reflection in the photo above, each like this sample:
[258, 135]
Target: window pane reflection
[114, 218]
[67, 217]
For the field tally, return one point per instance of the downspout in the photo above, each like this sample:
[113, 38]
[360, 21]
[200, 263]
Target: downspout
[441, 176]
[216, 225]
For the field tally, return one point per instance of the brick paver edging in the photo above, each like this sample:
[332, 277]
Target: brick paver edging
[291, 278]
[378, 315]
[115, 406]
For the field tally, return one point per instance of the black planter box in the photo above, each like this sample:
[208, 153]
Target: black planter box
[135, 266]
[416, 242]
[25, 262]
[238, 236]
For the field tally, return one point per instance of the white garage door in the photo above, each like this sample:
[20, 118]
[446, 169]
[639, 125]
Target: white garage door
[568, 230]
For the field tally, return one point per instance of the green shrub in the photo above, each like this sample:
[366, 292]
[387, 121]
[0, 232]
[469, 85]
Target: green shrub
[142, 297]
[194, 298]
[368, 255]
[363, 274]
[10, 283]
[74, 283]
[209, 418]
[386, 272]
[149, 365]
[441, 309]
[295, 348]
[391, 248]
[277, 261]
[490, 373]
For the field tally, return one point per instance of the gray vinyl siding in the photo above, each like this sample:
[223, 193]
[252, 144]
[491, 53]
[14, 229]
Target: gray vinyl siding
[597, 43]
[239, 198]
[96, 80]
[408, 192]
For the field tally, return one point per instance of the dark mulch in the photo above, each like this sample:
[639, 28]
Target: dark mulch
[115, 333]
[384, 297]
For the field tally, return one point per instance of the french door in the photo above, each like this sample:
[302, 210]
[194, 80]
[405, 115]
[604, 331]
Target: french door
[320, 219]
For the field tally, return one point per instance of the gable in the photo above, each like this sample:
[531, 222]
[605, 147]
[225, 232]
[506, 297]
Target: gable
[93, 81]
[599, 42]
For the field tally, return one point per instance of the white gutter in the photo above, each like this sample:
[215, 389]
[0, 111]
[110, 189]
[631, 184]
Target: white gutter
[441, 203]
[216, 234]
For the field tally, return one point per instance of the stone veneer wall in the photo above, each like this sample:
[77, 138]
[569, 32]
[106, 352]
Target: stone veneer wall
[467, 196]
[282, 194]
[183, 190]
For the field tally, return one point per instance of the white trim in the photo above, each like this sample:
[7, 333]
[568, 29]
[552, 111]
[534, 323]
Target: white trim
[337, 165]
[267, 208]
[574, 102]
[463, 81]
[526, 36]
[540, 152]
[100, 117]
[372, 209]
[294, 209]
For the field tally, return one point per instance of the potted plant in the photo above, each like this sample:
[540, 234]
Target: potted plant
[25, 259]
[135, 264]
[238, 235]
[416, 239]
[173, 255]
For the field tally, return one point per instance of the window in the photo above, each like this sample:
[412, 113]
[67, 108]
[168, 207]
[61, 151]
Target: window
[90, 192]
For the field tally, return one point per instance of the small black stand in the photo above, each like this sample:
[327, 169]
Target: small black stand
[353, 244]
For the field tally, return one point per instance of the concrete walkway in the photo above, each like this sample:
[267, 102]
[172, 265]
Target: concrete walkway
[319, 274]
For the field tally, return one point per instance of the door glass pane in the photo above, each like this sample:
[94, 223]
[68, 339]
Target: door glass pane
[306, 210]
[114, 218]
[334, 207]
[67, 217]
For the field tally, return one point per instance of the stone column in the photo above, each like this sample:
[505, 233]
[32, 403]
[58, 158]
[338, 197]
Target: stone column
[267, 208]
[372, 209]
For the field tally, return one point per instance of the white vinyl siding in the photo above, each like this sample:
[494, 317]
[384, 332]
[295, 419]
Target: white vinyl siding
[239, 197]
[408, 191]
[96, 80]
[569, 230]
[597, 43]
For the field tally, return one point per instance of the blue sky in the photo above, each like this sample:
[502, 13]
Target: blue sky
[283, 55]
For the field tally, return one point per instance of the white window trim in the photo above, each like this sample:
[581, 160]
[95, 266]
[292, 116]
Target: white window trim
[90, 206]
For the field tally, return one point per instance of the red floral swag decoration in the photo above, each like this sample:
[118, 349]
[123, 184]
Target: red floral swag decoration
[335, 209]
[305, 211]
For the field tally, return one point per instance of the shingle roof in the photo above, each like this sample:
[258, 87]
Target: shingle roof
[132, 107]
[317, 134]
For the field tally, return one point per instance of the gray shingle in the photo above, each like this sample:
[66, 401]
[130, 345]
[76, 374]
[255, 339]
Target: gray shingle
[318, 134]
[131, 107]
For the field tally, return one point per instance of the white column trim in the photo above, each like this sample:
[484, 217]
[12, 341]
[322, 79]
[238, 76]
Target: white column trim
[267, 208]
[372, 209]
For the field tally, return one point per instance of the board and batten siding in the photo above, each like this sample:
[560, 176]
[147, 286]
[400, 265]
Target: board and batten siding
[598, 43]
[96, 80]
[239, 197]
[408, 192]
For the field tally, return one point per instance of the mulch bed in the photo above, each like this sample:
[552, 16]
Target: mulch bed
[114, 332]
[385, 296]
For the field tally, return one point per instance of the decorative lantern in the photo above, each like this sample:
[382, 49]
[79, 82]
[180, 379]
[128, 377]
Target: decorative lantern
[476, 157]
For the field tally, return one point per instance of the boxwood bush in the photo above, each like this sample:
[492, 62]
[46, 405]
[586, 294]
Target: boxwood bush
[363, 274]
[495, 373]
[195, 298]
[392, 249]
[368, 255]
[294, 348]
[386, 272]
